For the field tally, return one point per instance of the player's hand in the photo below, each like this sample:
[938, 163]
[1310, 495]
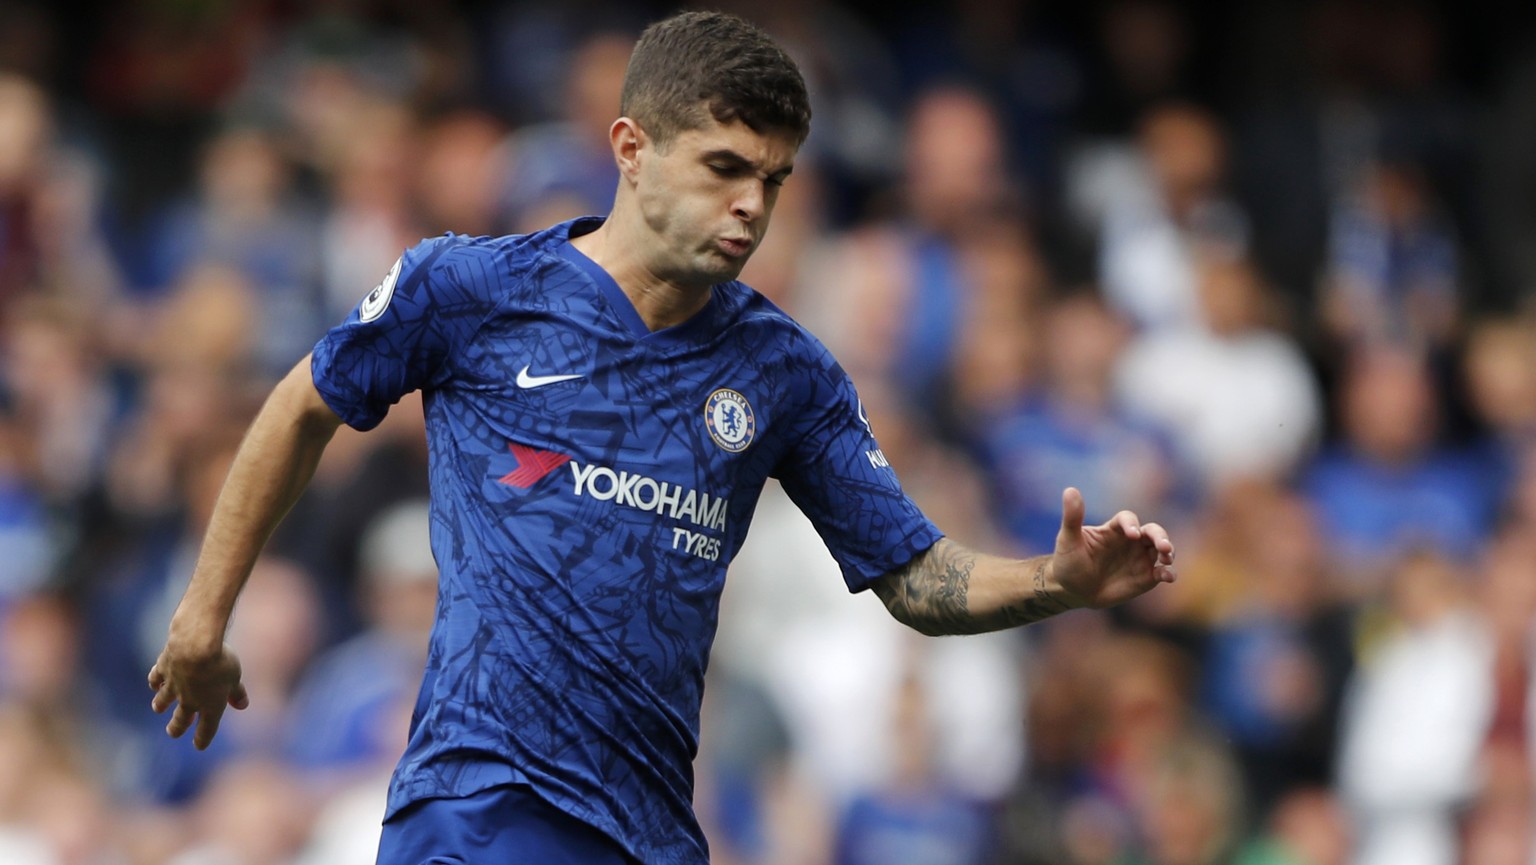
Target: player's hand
[201, 686]
[1100, 566]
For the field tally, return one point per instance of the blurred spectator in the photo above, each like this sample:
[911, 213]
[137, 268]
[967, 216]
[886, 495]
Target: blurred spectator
[320, 75]
[1280, 647]
[279, 631]
[21, 752]
[1498, 834]
[459, 176]
[908, 290]
[1055, 813]
[1000, 358]
[74, 257]
[343, 715]
[1069, 431]
[1388, 487]
[347, 830]
[564, 169]
[1499, 373]
[1011, 51]
[26, 122]
[253, 812]
[1497, 827]
[361, 476]
[1191, 810]
[1308, 827]
[196, 359]
[245, 216]
[1160, 212]
[912, 819]
[525, 49]
[1393, 275]
[1141, 59]
[39, 663]
[27, 549]
[1334, 85]
[33, 755]
[916, 295]
[74, 818]
[132, 582]
[129, 579]
[59, 394]
[1236, 393]
[349, 819]
[956, 172]
[1415, 718]
[155, 74]
[371, 218]
[1107, 710]
[862, 322]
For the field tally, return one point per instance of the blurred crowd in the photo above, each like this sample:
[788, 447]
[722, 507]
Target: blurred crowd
[1263, 272]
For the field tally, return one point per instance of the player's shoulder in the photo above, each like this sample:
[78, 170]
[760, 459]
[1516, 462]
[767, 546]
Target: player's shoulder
[507, 249]
[491, 263]
[780, 346]
[751, 310]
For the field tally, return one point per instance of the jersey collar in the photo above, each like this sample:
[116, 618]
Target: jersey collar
[697, 327]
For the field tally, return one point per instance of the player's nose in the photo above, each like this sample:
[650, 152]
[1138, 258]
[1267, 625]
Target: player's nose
[750, 203]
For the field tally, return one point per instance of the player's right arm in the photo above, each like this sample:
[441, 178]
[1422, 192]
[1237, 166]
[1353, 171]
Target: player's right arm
[837, 474]
[196, 672]
[948, 589]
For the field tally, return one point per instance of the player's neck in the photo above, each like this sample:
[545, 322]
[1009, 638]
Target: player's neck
[660, 302]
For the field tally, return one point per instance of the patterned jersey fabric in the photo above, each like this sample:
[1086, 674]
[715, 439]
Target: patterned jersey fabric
[591, 480]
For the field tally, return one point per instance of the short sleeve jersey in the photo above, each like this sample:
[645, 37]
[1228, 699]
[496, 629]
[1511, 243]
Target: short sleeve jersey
[591, 480]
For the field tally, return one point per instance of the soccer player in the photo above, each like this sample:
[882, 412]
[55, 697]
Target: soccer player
[604, 403]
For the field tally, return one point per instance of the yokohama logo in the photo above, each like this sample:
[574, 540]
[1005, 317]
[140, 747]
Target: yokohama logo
[648, 494]
[620, 487]
[532, 465]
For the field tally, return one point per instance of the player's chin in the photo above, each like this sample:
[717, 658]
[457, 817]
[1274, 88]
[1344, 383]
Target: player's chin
[724, 268]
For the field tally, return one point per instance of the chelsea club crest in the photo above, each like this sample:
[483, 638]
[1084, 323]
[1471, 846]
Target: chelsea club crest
[729, 418]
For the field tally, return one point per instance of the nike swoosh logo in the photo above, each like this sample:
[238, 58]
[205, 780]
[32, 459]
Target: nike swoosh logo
[524, 380]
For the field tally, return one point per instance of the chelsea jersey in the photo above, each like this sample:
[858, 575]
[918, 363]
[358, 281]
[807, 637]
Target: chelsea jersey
[591, 480]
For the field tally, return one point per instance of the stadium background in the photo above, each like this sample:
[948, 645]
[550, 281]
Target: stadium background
[1261, 271]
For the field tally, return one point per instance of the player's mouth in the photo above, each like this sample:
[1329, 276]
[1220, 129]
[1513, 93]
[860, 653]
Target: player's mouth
[735, 247]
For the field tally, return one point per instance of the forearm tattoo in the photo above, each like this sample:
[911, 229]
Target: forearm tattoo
[931, 594]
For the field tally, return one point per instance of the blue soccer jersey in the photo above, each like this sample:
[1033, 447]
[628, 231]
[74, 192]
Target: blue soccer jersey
[591, 480]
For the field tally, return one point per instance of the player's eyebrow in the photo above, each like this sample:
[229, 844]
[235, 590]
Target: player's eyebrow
[736, 160]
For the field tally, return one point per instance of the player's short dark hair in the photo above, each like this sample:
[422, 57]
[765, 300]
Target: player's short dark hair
[695, 62]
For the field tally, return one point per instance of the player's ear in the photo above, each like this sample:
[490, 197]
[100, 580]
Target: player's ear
[628, 141]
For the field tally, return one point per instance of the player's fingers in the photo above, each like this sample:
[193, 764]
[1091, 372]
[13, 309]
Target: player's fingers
[238, 698]
[1128, 524]
[156, 678]
[1158, 536]
[181, 720]
[207, 727]
[1072, 512]
[1164, 573]
[163, 699]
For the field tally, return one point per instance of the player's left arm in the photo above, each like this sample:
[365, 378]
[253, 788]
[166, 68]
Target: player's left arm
[949, 589]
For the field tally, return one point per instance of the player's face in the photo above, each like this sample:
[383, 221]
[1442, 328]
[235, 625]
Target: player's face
[707, 198]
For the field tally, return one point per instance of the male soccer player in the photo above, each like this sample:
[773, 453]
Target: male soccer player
[604, 404]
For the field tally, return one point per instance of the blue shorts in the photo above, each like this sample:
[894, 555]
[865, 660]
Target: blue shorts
[506, 825]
